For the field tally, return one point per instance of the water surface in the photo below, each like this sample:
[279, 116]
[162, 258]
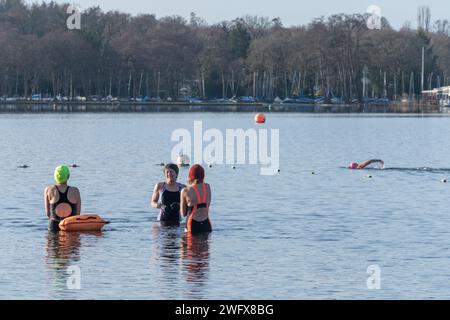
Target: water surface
[295, 235]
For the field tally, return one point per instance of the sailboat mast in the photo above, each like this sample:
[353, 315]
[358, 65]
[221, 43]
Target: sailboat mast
[423, 69]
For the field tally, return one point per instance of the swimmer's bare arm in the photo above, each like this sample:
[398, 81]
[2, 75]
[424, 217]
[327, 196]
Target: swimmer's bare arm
[155, 197]
[183, 203]
[75, 197]
[47, 203]
[78, 202]
[369, 162]
[209, 195]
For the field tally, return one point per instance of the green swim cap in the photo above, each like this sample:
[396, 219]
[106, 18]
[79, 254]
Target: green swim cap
[62, 174]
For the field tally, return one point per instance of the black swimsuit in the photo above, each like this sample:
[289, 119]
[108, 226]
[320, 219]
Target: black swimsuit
[53, 224]
[170, 216]
[197, 227]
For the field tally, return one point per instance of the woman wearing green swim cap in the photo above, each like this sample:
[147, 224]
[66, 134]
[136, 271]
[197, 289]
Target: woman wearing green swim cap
[61, 201]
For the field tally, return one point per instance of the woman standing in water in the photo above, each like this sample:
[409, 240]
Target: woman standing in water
[166, 196]
[195, 202]
[61, 201]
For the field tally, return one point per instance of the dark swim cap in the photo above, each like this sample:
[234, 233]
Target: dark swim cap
[197, 173]
[173, 167]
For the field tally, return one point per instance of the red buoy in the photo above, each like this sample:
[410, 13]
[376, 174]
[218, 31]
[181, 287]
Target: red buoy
[260, 118]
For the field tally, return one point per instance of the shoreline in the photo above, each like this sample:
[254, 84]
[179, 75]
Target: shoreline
[148, 107]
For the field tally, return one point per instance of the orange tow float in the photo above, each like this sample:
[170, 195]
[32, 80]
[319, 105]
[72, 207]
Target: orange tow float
[83, 223]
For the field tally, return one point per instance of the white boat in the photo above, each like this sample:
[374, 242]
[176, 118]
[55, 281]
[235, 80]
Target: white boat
[440, 96]
[445, 100]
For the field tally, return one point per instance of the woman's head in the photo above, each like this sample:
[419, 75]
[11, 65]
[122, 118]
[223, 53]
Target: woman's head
[196, 174]
[171, 172]
[62, 174]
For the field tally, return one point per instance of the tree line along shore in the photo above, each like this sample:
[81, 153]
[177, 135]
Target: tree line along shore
[95, 107]
[142, 58]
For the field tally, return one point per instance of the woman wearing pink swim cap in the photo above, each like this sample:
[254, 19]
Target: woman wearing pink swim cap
[365, 164]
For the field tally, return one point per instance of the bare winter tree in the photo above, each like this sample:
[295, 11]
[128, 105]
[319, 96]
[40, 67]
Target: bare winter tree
[424, 18]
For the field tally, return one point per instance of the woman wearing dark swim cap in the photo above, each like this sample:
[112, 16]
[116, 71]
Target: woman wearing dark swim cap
[195, 202]
[166, 196]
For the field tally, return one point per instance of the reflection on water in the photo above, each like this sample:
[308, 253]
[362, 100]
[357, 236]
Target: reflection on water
[181, 255]
[63, 251]
[195, 257]
[166, 251]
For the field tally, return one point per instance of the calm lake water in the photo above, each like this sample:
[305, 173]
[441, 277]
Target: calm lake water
[295, 235]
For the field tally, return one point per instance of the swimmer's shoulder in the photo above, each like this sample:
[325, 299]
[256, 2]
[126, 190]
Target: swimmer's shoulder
[74, 190]
[74, 194]
[159, 186]
[47, 191]
[50, 189]
[188, 190]
[52, 192]
[185, 192]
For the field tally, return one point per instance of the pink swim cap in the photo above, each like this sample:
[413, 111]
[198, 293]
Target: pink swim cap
[353, 166]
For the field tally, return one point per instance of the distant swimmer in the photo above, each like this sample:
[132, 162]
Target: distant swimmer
[23, 166]
[183, 161]
[365, 164]
[61, 201]
[195, 202]
[166, 197]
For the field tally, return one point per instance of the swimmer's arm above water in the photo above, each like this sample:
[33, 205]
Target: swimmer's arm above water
[78, 202]
[155, 197]
[183, 203]
[369, 162]
[209, 195]
[47, 203]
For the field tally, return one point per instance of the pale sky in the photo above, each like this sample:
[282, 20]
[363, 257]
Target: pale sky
[291, 12]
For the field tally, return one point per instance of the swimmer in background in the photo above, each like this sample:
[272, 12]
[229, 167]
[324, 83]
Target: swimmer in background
[365, 164]
[166, 196]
